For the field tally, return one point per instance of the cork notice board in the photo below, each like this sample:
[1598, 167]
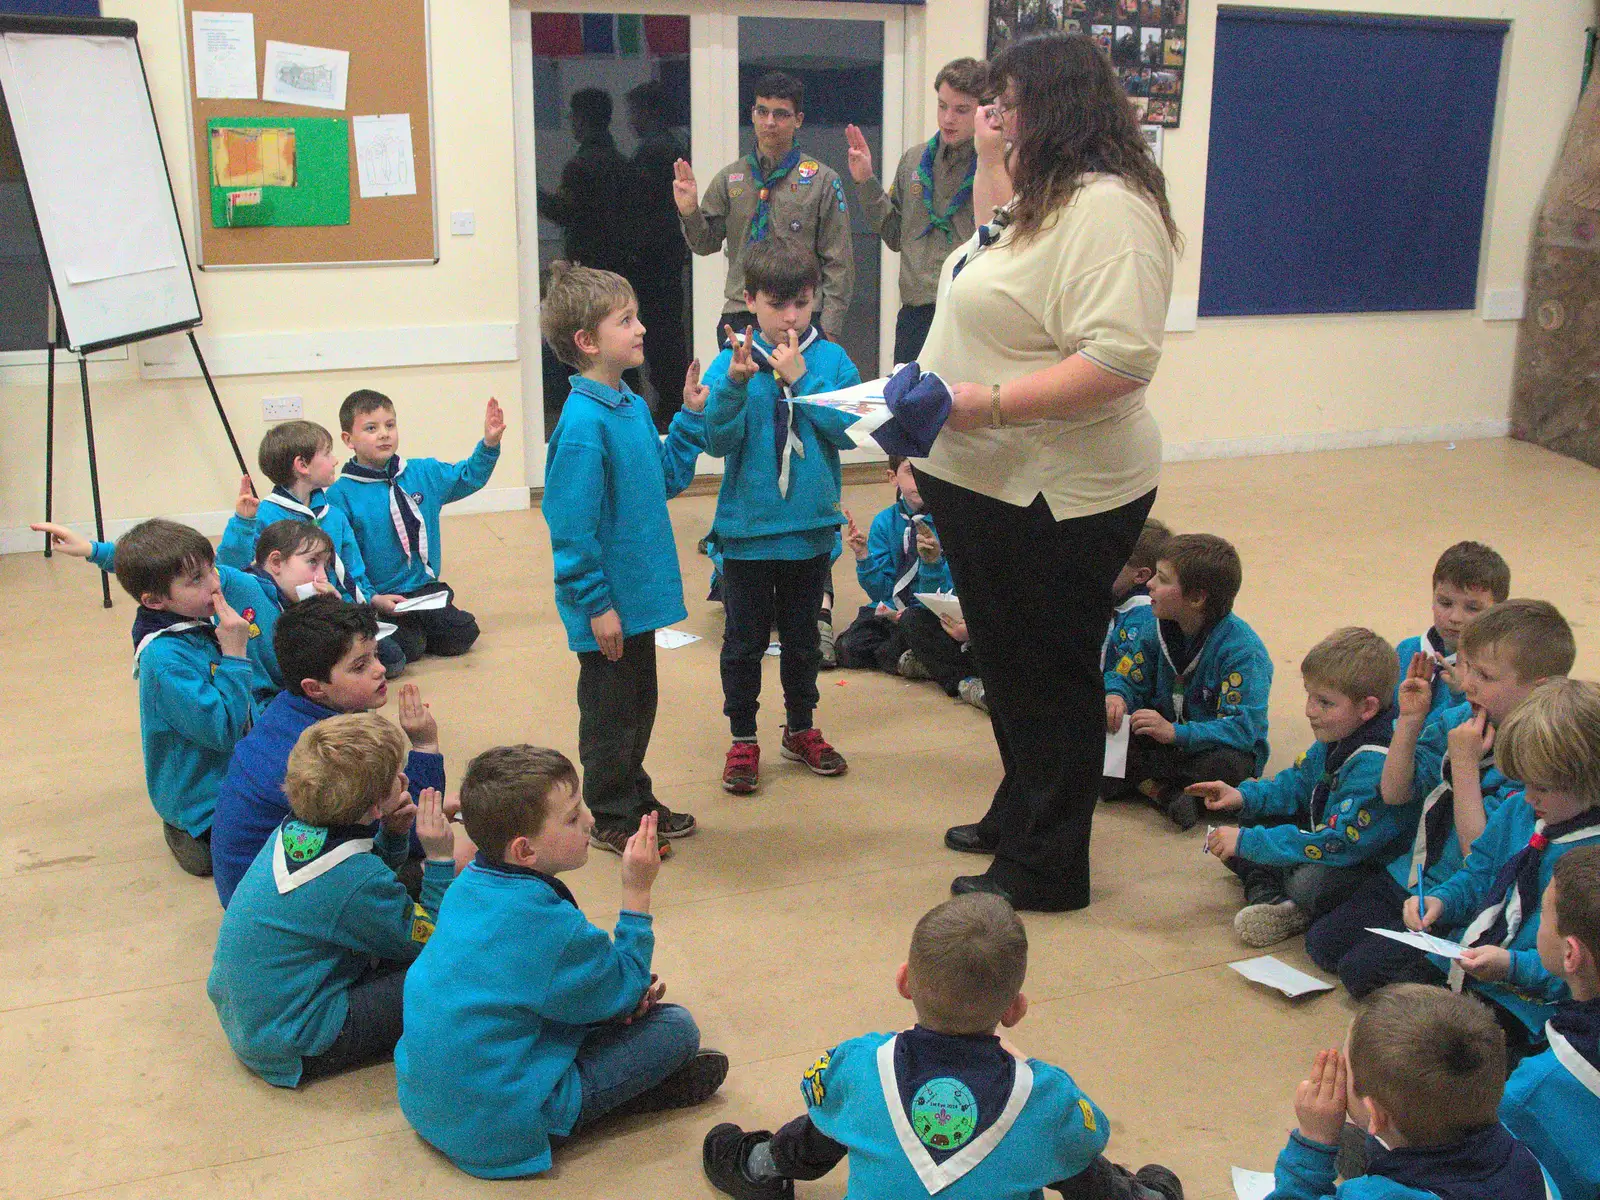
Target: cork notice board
[387, 41]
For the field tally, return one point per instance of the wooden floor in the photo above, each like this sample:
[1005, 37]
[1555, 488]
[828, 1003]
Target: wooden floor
[780, 925]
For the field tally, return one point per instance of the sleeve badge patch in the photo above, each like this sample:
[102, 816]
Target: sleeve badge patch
[1314, 853]
[421, 924]
[1235, 680]
[811, 1086]
[1087, 1110]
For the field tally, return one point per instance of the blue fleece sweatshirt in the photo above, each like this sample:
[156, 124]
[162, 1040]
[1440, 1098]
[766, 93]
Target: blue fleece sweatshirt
[348, 572]
[1132, 622]
[1552, 1100]
[607, 480]
[315, 908]
[431, 484]
[886, 557]
[1444, 696]
[496, 1007]
[1488, 1164]
[251, 804]
[754, 520]
[1218, 697]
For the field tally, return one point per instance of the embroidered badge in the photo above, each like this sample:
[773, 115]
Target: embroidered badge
[1087, 1110]
[1231, 697]
[1364, 818]
[421, 924]
[1124, 665]
[1235, 679]
[255, 630]
[1137, 675]
[1301, 758]
[248, 614]
[302, 842]
[416, 497]
[807, 170]
[213, 670]
[1353, 833]
[838, 191]
[736, 177]
[944, 1113]
[1139, 657]
[811, 1085]
[735, 192]
[794, 226]
[916, 187]
[1314, 853]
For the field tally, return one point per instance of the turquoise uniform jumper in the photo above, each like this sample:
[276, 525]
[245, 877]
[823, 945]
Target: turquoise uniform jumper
[880, 572]
[1133, 622]
[496, 1008]
[1219, 698]
[1488, 1164]
[348, 571]
[1444, 696]
[608, 477]
[755, 520]
[315, 908]
[939, 1143]
[430, 484]
[1552, 1101]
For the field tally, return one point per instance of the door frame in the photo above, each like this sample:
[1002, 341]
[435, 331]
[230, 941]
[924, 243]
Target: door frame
[715, 135]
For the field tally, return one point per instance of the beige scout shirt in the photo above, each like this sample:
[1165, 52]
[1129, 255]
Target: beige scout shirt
[1095, 281]
[901, 217]
[808, 207]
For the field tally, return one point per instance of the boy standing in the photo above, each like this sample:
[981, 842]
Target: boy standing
[523, 1022]
[312, 953]
[1338, 828]
[1422, 1072]
[1446, 773]
[1552, 1101]
[1469, 578]
[1195, 687]
[947, 1106]
[393, 505]
[607, 484]
[928, 209]
[778, 510]
[774, 191]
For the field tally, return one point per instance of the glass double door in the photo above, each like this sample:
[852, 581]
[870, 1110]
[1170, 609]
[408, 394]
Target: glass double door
[614, 98]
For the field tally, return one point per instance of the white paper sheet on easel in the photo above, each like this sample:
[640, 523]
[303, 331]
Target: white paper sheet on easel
[1116, 764]
[425, 603]
[1275, 974]
[224, 55]
[1253, 1185]
[941, 604]
[1422, 941]
[310, 75]
[385, 164]
[673, 639]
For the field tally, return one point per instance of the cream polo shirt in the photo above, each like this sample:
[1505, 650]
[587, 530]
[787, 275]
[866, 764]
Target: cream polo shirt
[1095, 281]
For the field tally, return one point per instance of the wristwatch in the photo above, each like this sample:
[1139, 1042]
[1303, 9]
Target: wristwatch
[995, 420]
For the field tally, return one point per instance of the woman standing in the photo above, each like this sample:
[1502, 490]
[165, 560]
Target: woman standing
[1047, 467]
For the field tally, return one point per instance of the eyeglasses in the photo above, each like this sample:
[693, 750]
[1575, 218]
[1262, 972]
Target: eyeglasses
[777, 114]
[1002, 109]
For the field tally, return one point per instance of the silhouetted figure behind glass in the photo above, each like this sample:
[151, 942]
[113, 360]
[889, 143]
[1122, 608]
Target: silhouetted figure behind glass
[660, 251]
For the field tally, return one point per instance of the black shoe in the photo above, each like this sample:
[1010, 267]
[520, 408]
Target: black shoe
[693, 1083]
[963, 885]
[1184, 811]
[671, 824]
[1159, 1180]
[1022, 901]
[966, 839]
[727, 1149]
[193, 854]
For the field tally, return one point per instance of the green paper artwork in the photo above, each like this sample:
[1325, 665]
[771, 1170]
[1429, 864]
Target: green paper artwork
[280, 171]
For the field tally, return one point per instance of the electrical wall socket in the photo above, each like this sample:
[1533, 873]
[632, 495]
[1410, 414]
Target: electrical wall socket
[464, 223]
[281, 408]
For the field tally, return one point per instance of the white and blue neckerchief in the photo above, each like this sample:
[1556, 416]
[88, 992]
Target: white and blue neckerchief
[786, 435]
[283, 498]
[404, 513]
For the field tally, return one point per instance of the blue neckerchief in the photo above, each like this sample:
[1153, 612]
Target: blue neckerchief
[403, 511]
[1579, 1022]
[1515, 891]
[1376, 732]
[908, 566]
[269, 585]
[963, 193]
[314, 512]
[148, 622]
[785, 438]
[1487, 1164]
[988, 235]
[764, 182]
[484, 862]
[951, 1082]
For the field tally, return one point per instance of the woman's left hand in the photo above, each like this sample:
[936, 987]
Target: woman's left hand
[970, 407]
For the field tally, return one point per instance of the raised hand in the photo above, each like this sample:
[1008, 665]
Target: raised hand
[641, 863]
[694, 392]
[988, 134]
[64, 540]
[248, 503]
[233, 631]
[742, 368]
[494, 423]
[853, 537]
[685, 191]
[858, 156]
[1219, 797]
[417, 719]
[1416, 689]
[788, 362]
[1320, 1102]
[1471, 740]
[434, 831]
[928, 548]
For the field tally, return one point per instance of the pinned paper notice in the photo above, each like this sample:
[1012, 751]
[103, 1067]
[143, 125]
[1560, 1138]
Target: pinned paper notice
[385, 165]
[1116, 764]
[1422, 941]
[1288, 980]
[310, 75]
[224, 56]
[941, 604]
[1253, 1185]
[673, 639]
[424, 603]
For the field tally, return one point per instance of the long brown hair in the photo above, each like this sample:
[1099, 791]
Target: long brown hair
[1074, 118]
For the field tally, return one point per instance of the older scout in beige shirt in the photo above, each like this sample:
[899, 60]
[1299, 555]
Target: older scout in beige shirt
[903, 217]
[1095, 281]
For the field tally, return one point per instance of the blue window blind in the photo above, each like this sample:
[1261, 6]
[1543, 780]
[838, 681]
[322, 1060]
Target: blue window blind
[1348, 163]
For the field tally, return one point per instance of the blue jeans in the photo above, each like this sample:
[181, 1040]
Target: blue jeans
[618, 1062]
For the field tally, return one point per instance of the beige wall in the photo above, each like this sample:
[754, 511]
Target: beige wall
[1231, 385]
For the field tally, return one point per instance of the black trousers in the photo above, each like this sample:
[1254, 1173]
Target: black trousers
[616, 714]
[874, 641]
[1178, 766]
[756, 594]
[372, 1024]
[1339, 941]
[666, 342]
[446, 631]
[911, 330]
[1036, 593]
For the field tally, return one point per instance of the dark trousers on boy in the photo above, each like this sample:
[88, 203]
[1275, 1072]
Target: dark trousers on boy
[372, 1024]
[1339, 941]
[876, 641]
[1316, 888]
[758, 594]
[616, 714]
[445, 632]
[1162, 771]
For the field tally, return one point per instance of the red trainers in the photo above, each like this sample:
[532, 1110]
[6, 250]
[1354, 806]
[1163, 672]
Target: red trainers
[811, 748]
[741, 775]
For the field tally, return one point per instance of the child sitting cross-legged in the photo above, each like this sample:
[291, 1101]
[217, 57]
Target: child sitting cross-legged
[946, 1107]
[1422, 1071]
[524, 1023]
[1311, 834]
[312, 953]
[1469, 579]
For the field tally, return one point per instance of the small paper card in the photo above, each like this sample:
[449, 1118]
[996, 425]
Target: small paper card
[673, 639]
[1422, 941]
[303, 591]
[941, 604]
[1253, 1185]
[386, 630]
[423, 603]
[1288, 980]
[1116, 764]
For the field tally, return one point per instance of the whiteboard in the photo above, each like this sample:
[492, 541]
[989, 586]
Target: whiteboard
[91, 154]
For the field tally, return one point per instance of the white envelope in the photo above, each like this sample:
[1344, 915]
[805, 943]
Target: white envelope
[424, 603]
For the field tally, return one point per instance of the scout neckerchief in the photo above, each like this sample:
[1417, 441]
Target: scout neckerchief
[1192, 649]
[403, 511]
[909, 565]
[962, 197]
[284, 498]
[1373, 735]
[269, 586]
[150, 623]
[1515, 892]
[986, 236]
[1138, 598]
[761, 221]
[1438, 818]
[1433, 647]
[1574, 1034]
[785, 434]
[302, 852]
[1487, 1164]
